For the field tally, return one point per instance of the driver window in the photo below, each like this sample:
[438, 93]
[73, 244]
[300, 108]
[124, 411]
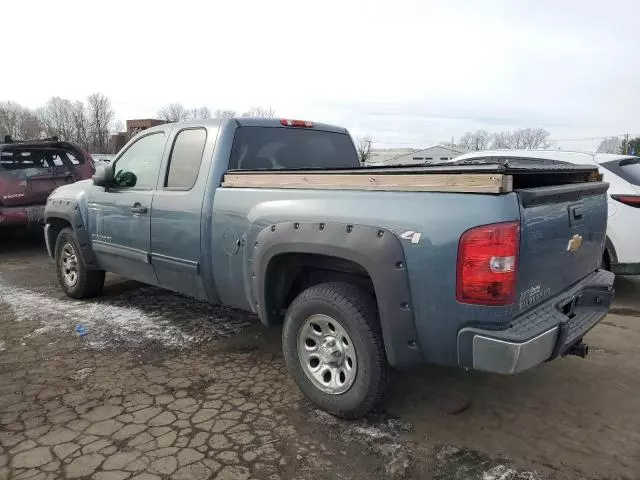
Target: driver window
[138, 167]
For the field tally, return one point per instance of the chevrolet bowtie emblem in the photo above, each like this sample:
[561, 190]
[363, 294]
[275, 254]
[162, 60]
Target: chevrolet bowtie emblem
[574, 243]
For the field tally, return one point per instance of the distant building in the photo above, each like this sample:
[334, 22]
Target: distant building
[435, 154]
[134, 127]
[382, 155]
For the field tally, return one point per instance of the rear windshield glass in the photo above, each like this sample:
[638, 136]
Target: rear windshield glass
[278, 148]
[23, 159]
[627, 168]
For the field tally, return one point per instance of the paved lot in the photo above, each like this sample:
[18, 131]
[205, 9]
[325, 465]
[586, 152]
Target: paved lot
[166, 387]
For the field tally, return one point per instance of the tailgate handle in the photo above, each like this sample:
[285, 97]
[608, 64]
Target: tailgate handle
[576, 212]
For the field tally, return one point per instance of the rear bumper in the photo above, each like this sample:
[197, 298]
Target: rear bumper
[21, 216]
[541, 334]
[625, 268]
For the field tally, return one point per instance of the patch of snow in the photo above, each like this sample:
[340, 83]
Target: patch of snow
[3, 346]
[503, 472]
[143, 315]
[81, 374]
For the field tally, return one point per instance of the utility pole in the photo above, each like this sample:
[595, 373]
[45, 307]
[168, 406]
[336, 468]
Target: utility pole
[626, 144]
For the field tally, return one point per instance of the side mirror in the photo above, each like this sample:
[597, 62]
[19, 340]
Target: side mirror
[103, 176]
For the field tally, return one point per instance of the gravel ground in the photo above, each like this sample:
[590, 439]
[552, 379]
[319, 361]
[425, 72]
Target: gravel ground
[162, 386]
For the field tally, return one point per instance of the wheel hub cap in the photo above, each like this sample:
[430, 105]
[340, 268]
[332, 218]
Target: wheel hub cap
[69, 265]
[326, 354]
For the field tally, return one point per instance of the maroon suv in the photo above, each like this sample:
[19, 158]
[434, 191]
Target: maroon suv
[30, 171]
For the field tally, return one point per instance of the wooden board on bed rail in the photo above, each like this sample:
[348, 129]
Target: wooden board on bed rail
[407, 182]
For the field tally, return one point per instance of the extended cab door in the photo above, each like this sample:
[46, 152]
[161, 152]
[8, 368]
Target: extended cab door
[177, 210]
[120, 215]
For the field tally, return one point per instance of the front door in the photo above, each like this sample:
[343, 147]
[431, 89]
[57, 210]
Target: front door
[120, 215]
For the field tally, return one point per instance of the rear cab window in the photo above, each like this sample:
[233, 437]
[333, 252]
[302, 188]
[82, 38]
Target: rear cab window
[34, 161]
[274, 148]
[626, 168]
[185, 159]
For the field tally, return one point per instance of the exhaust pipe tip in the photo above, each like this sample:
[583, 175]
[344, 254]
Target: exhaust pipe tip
[579, 350]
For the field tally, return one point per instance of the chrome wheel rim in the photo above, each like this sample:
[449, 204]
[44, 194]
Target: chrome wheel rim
[69, 265]
[327, 354]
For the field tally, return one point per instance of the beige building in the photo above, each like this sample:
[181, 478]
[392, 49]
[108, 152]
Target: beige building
[435, 154]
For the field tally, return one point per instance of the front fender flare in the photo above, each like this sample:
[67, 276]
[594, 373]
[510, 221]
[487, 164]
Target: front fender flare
[69, 211]
[376, 250]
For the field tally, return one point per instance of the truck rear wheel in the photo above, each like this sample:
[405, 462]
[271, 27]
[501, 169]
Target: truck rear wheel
[334, 350]
[75, 279]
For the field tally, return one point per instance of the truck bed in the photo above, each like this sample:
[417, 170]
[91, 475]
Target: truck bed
[468, 177]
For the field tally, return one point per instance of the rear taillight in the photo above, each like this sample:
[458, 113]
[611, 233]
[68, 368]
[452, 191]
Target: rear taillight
[631, 200]
[296, 123]
[487, 264]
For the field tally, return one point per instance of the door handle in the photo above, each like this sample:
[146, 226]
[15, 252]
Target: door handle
[138, 208]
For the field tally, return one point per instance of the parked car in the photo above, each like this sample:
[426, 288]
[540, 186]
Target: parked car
[366, 269]
[621, 254]
[30, 171]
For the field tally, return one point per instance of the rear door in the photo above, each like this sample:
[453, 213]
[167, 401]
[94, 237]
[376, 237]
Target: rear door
[177, 210]
[120, 216]
[562, 238]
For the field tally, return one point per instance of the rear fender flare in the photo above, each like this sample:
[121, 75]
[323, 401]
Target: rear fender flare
[378, 251]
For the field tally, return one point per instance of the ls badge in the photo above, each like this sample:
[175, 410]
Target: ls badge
[575, 243]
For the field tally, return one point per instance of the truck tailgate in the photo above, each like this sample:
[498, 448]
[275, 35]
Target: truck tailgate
[563, 230]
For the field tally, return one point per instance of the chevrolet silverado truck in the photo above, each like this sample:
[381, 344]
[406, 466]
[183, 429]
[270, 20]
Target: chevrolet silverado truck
[490, 266]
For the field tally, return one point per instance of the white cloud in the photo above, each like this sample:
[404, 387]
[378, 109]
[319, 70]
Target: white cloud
[405, 71]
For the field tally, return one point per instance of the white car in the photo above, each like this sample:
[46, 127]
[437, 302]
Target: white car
[622, 172]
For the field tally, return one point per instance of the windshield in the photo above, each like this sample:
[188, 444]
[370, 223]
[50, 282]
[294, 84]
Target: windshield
[291, 148]
[627, 168]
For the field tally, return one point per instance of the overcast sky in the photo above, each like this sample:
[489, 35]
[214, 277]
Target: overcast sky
[410, 73]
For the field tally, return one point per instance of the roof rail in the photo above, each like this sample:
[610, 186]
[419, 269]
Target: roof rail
[9, 139]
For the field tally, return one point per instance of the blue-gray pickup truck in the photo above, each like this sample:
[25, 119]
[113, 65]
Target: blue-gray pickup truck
[491, 266]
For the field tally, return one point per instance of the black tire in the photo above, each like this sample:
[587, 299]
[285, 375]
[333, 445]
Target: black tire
[605, 263]
[356, 312]
[88, 283]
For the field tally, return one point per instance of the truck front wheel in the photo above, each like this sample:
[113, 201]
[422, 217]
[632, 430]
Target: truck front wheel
[334, 350]
[75, 279]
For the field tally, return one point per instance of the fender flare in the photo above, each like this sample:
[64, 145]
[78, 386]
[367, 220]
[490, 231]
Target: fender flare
[69, 211]
[377, 250]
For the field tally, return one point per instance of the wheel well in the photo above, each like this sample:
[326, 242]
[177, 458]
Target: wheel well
[288, 274]
[57, 224]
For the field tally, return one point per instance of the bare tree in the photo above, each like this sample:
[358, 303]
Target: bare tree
[363, 147]
[80, 124]
[57, 118]
[265, 112]
[101, 117]
[521, 138]
[202, 113]
[174, 112]
[610, 145]
[18, 122]
[478, 140]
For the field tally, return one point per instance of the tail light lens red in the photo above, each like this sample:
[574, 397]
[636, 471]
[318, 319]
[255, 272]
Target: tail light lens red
[487, 264]
[296, 123]
[631, 200]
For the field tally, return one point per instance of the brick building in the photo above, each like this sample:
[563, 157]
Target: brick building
[134, 127]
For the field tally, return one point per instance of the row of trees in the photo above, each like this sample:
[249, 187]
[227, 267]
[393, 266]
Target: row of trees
[176, 112]
[624, 146]
[520, 138]
[89, 124]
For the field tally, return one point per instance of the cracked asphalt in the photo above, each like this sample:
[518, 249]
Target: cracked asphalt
[164, 387]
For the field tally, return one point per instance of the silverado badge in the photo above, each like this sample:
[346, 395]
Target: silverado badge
[574, 243]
